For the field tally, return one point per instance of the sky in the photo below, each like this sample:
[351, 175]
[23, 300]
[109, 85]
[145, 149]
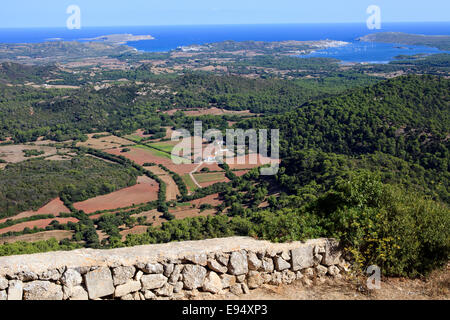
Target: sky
[52, 13]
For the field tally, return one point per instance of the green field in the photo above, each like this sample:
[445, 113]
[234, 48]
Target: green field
[189, 183]
[163, 146]
[209, 177]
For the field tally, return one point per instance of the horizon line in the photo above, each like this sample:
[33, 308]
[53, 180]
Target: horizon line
[220, 24]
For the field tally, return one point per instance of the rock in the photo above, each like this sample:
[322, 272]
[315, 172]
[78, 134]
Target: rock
[178, 296]
[165, 291]
[3, 295]
[129, 287]
[216, 266]
[127, 297]
[302, 258]
[254, 279]
[227, 280]
[176, 274]
[321, 270]
[99, 283]
[42, 290]
[288, 276]
[168, 269]
[238, 264]
[149, 295]
[178, 287]
[267, 277]
[309, 272]
[153, 268]
[50, 275]
[333, 271]
[138, 275]
[223, 258]
[77, 293]
[319, 249]
[122, 275]
[281, 264]
[236, 289]
[317, 259]
[71, 278]
[241, 278]
[267, 265]
[27, 276]
[3, 283]
[141, 296]
[15, 290]
[253, 262]
[212, 283]
[298, 275]
[200, 259]
[153, 281]
[285, 255]
[193, 276]
[332, 253]
[277, 278]
[245, 288]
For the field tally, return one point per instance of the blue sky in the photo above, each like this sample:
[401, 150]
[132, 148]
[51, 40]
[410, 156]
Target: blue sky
[52, 13]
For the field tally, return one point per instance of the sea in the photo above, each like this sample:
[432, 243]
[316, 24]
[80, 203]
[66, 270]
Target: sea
[171, 37]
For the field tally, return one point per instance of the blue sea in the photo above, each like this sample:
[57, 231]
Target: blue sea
[171, 37]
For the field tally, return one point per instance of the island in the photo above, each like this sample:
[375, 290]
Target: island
[440, 42]
[120, 38]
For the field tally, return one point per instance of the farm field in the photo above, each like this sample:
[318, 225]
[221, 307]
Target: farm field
[172, 189]
[103, 143]
[15, 153]
[55, 207]
[39, 236]
[38, 224]
[207, 179]
[134, 230]
[246, 162]
[190, 184]
[212, 199]
[146, 190]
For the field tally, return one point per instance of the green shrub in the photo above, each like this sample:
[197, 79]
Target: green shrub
[403, 233]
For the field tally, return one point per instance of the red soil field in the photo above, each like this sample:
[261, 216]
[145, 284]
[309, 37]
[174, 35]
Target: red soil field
[38, 223]
[245, 162]
[56, 206]
[212, 199]
[240, 173]
[145, 191]
[140, 156]
[211, 166]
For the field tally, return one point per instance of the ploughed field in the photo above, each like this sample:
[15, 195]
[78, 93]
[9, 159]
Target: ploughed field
[146, 190]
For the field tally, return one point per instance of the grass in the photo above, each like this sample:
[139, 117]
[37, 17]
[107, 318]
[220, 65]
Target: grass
[166, 147]
[162, 154]
[209, 177]
[134, 138]
[189, 183]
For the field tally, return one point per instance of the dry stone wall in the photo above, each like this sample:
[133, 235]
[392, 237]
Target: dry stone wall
[179, 270]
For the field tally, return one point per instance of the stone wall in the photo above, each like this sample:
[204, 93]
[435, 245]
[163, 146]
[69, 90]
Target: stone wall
[179, 270]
